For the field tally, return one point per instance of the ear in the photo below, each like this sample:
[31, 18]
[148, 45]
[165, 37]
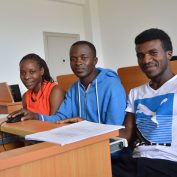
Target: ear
[42, 71]
[169, 54]
[96, 60]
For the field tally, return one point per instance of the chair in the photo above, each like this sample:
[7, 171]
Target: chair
[5, 93]
[65, 81]
[174, 66]
[132, 76]
[7, 104]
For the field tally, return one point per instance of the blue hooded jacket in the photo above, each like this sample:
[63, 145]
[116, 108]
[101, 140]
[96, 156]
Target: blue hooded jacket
[104, 101]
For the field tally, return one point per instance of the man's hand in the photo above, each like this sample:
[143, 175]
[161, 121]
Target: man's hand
[70, 120]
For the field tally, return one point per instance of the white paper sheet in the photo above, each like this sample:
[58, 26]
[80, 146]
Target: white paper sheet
[73, 132]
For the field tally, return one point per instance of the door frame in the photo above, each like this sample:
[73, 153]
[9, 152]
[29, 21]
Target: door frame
[55, 34]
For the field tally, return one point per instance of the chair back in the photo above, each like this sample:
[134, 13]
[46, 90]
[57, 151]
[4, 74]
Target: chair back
[65, 81]
[5, 93]
[132, 76]
[174, 66]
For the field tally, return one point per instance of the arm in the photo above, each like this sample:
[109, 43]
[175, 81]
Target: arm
[24, 101]
[56, 98]
[27, 114]
[117, 104]
[129, 132]
[20, 111]
[64, 111]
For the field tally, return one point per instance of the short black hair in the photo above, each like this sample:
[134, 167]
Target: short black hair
[41, 63]
[89, 44]
[153, 34]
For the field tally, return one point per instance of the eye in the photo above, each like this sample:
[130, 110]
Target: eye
[84, 58]
[32, 72]
[154, 53]
[22, 73]
[72, 59]
[140, 56]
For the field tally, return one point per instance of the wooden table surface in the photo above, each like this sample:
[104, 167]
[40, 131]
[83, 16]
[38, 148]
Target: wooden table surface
[27, 127]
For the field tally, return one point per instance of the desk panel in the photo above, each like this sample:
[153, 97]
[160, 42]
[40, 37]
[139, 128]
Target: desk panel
[47, 160]
[86, 158]
[7, 108]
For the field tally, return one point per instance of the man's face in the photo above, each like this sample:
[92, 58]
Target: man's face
[82, 61]
[152, 58]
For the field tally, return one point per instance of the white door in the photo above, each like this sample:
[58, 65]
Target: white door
[57, 47]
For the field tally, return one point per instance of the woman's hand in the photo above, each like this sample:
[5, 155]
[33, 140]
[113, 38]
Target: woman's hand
[26, 114]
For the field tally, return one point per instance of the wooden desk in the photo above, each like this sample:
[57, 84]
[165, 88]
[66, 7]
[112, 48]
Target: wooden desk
[9, 141]
[28, 127]
[7, 104]
[86, 158]
[8, 107]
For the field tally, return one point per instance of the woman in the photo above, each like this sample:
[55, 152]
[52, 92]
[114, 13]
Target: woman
[43, 95]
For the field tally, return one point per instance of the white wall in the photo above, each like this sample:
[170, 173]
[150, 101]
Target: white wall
[23, 23]
[122, 20]
[110, 24]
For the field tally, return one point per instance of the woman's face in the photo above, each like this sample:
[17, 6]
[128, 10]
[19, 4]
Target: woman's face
[31, 74]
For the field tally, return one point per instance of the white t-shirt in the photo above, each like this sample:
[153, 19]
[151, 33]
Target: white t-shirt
[156, 118]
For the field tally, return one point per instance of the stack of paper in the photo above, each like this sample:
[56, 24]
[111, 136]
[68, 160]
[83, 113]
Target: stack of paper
[73, 132]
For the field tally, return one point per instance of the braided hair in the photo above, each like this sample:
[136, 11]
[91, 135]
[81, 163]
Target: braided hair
[41, 63]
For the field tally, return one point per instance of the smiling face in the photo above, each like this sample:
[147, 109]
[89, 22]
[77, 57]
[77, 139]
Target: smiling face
[82, 62]
[31, 74]
[152, 58]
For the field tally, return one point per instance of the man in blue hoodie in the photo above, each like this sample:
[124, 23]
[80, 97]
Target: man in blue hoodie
[98, 95]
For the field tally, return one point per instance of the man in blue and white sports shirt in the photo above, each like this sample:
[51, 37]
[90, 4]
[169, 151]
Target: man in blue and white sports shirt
[151, 118]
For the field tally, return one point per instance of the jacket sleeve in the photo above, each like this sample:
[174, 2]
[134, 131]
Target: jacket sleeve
[117, 104]
[64, 111]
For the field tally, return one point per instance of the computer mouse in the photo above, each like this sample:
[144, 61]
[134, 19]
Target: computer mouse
[15, 119]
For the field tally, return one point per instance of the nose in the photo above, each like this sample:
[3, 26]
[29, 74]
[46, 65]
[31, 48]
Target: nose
[147, 58]
[26, 76]
[78, 61]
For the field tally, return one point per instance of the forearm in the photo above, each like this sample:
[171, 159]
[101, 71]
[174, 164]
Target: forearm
[52, 118]
[127, 134]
